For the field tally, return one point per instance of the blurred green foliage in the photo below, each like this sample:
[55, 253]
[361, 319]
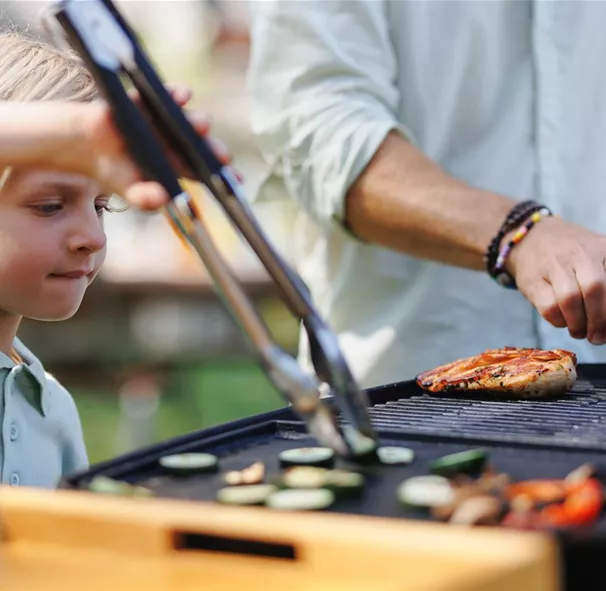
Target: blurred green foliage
[212, 393]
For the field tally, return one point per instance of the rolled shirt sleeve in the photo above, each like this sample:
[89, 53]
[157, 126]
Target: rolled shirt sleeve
[323, 95]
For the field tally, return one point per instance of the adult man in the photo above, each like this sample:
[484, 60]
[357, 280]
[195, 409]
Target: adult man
[406, 131]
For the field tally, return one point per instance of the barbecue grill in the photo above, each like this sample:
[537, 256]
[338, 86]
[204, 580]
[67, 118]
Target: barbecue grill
[525, 438]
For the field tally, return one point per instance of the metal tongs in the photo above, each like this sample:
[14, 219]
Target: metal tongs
[97, 31]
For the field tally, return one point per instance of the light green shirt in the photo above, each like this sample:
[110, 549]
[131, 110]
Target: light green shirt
[505, 96]
[40, 427]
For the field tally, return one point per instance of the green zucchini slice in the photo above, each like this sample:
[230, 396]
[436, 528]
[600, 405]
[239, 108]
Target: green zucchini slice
[305, 477]
[307, 456]
[425, 492]
[394, 455]
[464, 462]
[345, 483]
[248, 494]
[364, 448]
[109, 486]
[309, 499]
[189, 463]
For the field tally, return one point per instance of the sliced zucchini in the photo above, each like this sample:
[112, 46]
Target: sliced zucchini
[365, 449]
[305, 477]
[425, 492]
[307, 456]
[248, 494]
[345, 483]
[141, 491]
[342, 482]
[109, 486]
[464, 462]
[309, 499]
[189, 463]
[393, 455]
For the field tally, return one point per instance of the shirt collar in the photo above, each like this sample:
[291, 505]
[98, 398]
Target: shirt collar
[30, 377]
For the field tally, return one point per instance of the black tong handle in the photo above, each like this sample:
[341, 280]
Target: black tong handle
[141, 141]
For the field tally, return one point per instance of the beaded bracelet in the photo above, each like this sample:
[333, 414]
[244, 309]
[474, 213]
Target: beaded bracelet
[515, 217]
[499, 273]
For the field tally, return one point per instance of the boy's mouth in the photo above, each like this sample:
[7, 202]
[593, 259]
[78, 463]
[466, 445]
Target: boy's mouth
[78, 274]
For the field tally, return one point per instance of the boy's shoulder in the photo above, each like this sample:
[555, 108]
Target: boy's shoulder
[59, 408]
[61, 402]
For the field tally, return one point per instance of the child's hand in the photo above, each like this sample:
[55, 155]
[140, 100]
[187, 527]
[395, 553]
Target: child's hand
[110, 163]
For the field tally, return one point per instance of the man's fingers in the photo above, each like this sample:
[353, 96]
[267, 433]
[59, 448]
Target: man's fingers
[543, 298]
[180, 93]
[200, 122]
[220, 150]
[591, 278]
[570, 300]
[147, 196]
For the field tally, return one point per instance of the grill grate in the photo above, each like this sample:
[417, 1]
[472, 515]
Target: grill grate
[578, 419]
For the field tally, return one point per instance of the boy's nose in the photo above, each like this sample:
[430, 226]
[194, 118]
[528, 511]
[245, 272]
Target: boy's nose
[89, 235]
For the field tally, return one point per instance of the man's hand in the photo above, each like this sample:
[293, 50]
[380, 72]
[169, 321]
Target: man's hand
[107, 158]
[559, 267]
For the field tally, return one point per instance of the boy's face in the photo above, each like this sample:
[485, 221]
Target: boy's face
[52, 242]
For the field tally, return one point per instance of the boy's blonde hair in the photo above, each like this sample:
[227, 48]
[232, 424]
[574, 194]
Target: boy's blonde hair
[33, 70]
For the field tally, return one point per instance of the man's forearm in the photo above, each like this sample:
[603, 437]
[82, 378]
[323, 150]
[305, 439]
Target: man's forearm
[405, 202]
[45, 135]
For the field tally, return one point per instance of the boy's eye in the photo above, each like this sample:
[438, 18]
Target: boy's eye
[49, 208]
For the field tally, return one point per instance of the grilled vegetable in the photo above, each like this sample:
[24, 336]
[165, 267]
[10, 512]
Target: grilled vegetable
[307, 456]
[575, 500]
[583, 504]
[109, 486]
[305, 477]
[254, 474]
[341, 482]
[465, 462]
[248, 494]
[395, 455]
[537, 491]
[189, 463]
[426, 492]
[345, 483]
[301, 499]
[580, 474]
[365, 449]
[478, 510]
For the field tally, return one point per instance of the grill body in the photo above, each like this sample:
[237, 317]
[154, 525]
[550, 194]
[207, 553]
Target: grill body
[526, 439]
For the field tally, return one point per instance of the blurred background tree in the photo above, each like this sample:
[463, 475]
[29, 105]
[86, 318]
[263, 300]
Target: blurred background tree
[152, 353]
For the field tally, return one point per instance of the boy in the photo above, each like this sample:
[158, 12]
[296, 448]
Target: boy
[52, 241]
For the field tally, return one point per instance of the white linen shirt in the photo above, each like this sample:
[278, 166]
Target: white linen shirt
[509, 96]
[41, 435]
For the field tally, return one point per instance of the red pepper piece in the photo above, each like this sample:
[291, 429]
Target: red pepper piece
[582, 505]
[539, 491]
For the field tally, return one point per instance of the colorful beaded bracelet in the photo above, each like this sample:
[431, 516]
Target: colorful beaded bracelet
[500, 274]
[518, 215]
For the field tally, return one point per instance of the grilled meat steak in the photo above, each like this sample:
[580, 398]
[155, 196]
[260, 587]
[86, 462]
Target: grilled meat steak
[519, 372]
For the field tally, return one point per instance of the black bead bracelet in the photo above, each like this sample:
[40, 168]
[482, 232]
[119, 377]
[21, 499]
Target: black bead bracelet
[515, 218]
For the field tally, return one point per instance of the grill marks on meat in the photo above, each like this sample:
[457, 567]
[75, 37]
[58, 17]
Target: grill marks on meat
[520, 372]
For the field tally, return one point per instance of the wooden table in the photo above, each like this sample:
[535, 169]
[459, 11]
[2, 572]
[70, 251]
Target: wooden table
[67, 540]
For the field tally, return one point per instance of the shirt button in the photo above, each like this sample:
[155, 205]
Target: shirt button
[14, 432]
[15, 479]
